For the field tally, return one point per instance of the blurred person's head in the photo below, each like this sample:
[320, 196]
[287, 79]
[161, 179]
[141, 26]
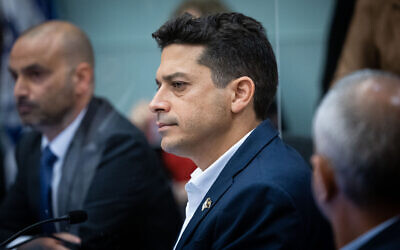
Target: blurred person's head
[52, 64]
[217, 78]
[145, 120]
[356, 161]
[199, 8]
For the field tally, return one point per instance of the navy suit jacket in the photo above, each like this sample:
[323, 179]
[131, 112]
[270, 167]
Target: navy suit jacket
[261, 200]
[387, 239]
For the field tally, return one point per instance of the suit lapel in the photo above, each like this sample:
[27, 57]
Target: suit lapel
[81, 160]
[256, 141]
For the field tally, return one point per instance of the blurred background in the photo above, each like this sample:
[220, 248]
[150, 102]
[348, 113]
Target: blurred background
[127, 57]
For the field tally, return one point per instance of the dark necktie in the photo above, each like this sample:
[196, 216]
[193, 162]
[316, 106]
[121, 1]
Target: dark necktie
[46, 172]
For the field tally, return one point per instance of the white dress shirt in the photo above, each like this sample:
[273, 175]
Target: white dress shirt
[364, 238]
[201, 182]
[59, 147]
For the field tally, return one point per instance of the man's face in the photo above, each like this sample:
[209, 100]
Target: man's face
[193, 115]
[43, 90]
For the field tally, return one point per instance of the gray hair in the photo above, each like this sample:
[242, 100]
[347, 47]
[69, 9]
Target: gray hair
[357, 127]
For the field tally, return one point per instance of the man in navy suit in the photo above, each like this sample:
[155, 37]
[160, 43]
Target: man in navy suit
[356, 163]
[216, 79]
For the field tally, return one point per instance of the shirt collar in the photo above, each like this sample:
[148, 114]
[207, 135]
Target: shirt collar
[60, 143]
[364, 238]
[201, 181]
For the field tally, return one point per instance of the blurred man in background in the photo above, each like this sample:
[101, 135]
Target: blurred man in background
[81, 154]
[357, 161]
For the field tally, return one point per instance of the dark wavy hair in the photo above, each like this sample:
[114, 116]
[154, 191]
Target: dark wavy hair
[235, 45]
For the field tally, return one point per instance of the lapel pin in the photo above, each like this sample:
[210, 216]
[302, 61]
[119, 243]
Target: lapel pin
[206, 204]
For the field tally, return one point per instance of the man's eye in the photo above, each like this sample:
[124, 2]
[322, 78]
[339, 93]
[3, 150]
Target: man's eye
[14, 76]
[178, 85]
[35, 75]
[158, 84]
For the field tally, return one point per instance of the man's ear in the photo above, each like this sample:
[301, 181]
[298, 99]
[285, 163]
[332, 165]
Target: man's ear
[242, 93]
[83, 78]
[324, 182]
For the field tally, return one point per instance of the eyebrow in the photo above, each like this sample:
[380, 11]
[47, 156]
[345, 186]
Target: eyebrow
[33, 67]
[174, 75]
[28, 68]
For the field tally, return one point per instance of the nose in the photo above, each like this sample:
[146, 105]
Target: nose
[159, 102]
[21, 89]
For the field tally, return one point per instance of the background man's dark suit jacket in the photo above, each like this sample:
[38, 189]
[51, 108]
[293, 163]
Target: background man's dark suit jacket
[109, 171]
[261, 200]
[387, 239]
